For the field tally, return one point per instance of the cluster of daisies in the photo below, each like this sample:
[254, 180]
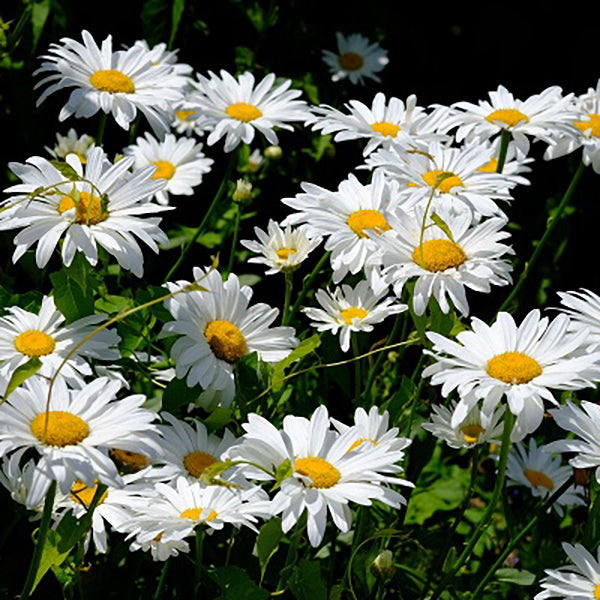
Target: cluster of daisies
[430, 226]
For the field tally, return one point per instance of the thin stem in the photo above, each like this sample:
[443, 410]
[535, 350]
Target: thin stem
[199, 548]
[509, 420]
[218, 195]
[289, 286]
[101, 128]
[504, 140]
[161, 581]
[234, 239]
[40, 543]
[550, 227]
[513, 543]
[307, 286]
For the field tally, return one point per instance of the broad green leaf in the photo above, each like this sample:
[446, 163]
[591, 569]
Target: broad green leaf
[177, 12]
[305, 347]
[515, 576]
[20, 374]
[112, 304]
[66, 170]
[442, 225]
[218, 418]
[236, 584]
[267, 543]
[306, 582]
[178, 394]
[39, 16]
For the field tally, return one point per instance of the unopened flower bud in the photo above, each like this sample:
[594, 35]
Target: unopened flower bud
[243, 191]
[273, 152]
[383, 565]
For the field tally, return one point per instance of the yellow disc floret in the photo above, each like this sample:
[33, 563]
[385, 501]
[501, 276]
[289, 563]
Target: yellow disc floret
[184, 115]
[129, 461]
[34, 343]
[113, 81]
[285, 253]
[195, 463]
[353, 312]
[164, 169]
[84, 494]
[361, 220]
[351, 61]
[439, 255]
[225, 340]
[442, 180]
[472, 432]
[195, 512]
[88, 209]
[538, 479]
[490, 167]
[323, 474]
[386, 129]
[513, 367]
[597, 592]
[242, 111]
[593, 125]
[509, 116]
[62, 428]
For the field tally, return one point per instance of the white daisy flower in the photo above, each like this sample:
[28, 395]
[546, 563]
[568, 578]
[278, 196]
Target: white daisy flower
[583, 307]
[475, 429]
[120, 82]
[580, 581]
[522, 363]
[81, 426]
[356, 58]
[179, 162]
[473, 258]
[380, 125]
[159, 55]
[25, 335]
[282, 249]
[351, 309]
[255, 160]
[349, 218]
[110, 210]
[189, 119]
[26, 484]
[217, 328]
[238, 108]
[72, 143]
[541, 116]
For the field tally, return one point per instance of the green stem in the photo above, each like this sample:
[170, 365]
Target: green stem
[509, 420]
[357, 369]
[161, 581]
[289, 286]
[101, 127]
[199, 548]
[550, 227]
[307, 286]
[513, 543]
[505, 137]
[218, 195]
[234, 239]
[40, 543]
[292, 552]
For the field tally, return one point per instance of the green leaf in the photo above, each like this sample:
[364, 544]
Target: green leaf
[284, 470]
[336, 592]
[20, 374]
[236, 584]
[442, 225]
[177, 12]
[178, 394]
[449, 560]
[306, 582]
[218, 418]
[515, 576]
[154, 18]
[267, 543]
[39, 15]
[66, 170]
[305, 347]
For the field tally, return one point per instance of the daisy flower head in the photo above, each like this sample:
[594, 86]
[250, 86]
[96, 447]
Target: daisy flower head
[379, 125]
[25, 335]
[26, 484]
[103, 204]
[159, 55]
[281, 249]
[583, 307]
[351, 309]
[348, 218]
[179, 162]
[519, 362]
[117, 82]
[535, 469]
[72, 143]
[217, 328]
[240, 107]
[542, 116]
[74, 436]
[515, 164]
[356, 58]
[579, 581]
[473, 257]
[476, 428]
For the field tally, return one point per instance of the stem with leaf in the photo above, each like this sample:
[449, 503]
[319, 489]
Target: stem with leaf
[289, 286]
[307, 286]
[234, 239]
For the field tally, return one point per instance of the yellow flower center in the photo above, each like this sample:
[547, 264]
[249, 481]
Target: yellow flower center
[84, 494]
[351, 61]
[510, 116]
[439, 255]
[386, 129]
[513, 367]
[360, 441]
[538, 479]
[225, 340]
[132, 461]
[194, 514]
[323, 474]
[597, 592]
[243, 112]
[184, 115]
[490, 167]
[285, 253]
[164, 169]
[34, 343]
[353, 312]
[88, 210]
[360, 220]
[593, 125]
[63, 428]
[450, 180]
[196, 462]
[113, 81]
[472, 432]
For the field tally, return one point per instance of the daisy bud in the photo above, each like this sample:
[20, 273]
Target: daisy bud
[273, 152]
[243, 191]
[383, 565]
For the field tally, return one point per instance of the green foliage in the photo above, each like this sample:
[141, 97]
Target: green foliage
[304, 348]
[267, 543]
[236, 584]
[306, 581]
[21, 374]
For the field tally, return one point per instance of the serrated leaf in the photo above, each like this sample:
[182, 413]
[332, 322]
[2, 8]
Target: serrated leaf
[20, 374]
[267, 543]
[305, 347]
[515, 576]
[442, 225]
[66, 170]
